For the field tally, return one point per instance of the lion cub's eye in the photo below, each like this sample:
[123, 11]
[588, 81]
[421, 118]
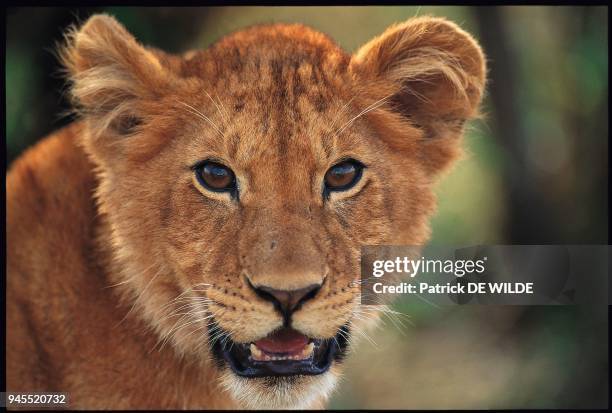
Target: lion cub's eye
[216, 177]
[343, 175]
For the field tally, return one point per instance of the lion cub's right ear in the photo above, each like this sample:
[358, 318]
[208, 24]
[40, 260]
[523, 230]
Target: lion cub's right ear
[110, 73]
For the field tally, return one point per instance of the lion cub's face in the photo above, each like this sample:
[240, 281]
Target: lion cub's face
[240, 182]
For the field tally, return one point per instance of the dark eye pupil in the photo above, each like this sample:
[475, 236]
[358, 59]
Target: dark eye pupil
[341, 175]
[217, 176]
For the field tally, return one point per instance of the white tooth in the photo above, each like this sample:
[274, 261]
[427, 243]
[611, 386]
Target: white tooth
[308, 350]
[255, 352]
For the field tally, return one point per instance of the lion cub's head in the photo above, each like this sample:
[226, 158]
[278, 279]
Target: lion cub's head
[240, 181]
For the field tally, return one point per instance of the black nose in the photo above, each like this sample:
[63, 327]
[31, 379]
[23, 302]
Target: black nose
[287, 301]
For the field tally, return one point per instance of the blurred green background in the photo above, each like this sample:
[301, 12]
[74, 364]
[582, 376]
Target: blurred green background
[535, 172]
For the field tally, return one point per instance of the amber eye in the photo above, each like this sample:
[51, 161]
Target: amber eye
[216, 177]
[343, 175]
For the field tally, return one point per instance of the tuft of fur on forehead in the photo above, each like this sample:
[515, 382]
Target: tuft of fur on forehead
[278, 105]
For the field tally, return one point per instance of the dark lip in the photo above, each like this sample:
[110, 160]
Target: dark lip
[237, 357]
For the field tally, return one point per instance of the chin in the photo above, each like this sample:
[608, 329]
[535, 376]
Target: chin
[280, 392]
[284, 370]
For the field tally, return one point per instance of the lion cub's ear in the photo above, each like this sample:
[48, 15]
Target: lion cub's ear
[110, 72]
[434, 75]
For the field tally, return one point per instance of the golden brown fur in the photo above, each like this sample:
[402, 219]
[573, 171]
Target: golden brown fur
[111, 241]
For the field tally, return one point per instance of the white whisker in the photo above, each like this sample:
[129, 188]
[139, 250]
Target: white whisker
[218, 107]
[370, 108]
[202, 116]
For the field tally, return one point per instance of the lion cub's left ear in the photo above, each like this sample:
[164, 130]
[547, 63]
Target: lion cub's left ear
[433, 74]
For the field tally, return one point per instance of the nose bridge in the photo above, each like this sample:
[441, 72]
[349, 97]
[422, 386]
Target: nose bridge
[284, 254]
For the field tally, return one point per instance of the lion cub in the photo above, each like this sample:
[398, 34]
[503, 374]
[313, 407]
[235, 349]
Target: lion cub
[191, 241]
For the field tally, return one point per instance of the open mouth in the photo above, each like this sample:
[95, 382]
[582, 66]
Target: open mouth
[285, 352]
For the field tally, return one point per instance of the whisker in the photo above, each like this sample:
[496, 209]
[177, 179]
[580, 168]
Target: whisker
[217, 106]
[202, 116]
[425, 300]
[136, 301]
[341, 111]
[132, 277]
[177, 327]
[221, 103]
[370, 108]
[363, 334]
